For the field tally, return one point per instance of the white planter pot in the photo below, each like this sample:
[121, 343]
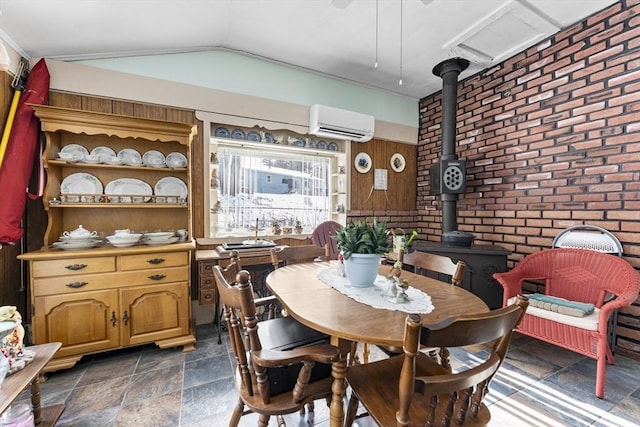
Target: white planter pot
[362, 269]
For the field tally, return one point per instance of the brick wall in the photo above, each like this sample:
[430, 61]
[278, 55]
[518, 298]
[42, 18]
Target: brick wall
[551, 138]
[395, 219]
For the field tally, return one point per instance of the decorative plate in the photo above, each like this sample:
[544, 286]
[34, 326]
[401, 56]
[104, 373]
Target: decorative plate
[269, 139]
[254, 136]
[299, 142]
[103, 153]
[322, 145]
[222, 132]
[238, 134]
[176, 160]
[362, 162]
[81, 183]
[130, 157]
[171, 186]
[167, 241]
[397, 162]
[153, 158]
[75, 151]
[332, 146]
[128, 187]
[85, 244]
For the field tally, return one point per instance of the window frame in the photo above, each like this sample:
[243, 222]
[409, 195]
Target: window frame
[336, 198]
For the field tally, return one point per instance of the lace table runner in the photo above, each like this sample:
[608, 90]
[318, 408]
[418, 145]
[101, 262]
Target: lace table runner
[419, 302]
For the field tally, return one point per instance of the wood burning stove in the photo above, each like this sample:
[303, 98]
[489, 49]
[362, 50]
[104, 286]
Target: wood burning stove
[447, 177]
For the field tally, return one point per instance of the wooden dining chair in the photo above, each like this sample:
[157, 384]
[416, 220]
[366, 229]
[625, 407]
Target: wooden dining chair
[434, 265]
[324, 234]
[413, 390]
[282, 365]
[288, 255]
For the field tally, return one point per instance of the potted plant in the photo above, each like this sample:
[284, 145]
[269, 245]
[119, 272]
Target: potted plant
[362, 244]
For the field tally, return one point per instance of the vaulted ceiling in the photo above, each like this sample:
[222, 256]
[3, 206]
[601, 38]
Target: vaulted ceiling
[344, 39]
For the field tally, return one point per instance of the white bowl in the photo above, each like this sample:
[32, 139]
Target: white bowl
[122, 241]
[124, 237]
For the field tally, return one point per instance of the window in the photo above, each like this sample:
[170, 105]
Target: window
[258, 183]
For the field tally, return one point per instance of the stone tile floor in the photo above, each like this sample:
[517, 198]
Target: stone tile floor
[538, 385]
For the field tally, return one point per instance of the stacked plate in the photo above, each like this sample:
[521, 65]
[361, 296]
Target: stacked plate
[79, 238]
[159, 238]
[124, 240]
[77, 243]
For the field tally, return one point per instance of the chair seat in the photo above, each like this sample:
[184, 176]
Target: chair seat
[282, 403]
[588, 322]
[384, 390]
[286, 333]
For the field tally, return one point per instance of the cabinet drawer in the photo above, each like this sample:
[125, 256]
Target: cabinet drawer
[207, 297]
[207, 282]
[153, 261]
[93, 282]
[72, 266]
[206, 267]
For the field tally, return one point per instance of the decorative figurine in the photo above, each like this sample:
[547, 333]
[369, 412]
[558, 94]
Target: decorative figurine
[15, 339]
[298, 227]
[340, 267]
[214, 178]
[276, 228]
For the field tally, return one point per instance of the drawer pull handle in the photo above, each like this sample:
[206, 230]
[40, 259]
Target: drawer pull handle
[155, 261]
[76, 285]
[113, 318]
[125, 319]
[157, 277]
[75, 267]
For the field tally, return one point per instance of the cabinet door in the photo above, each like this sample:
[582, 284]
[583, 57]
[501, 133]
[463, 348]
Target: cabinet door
[83, 322]
[154, 312]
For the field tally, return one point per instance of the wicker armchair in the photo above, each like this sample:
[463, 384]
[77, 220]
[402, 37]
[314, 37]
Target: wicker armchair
[581, 276]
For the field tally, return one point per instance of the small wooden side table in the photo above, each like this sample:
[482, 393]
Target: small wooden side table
[15, 383]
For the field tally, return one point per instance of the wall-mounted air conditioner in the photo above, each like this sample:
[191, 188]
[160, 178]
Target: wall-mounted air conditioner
[333, 122]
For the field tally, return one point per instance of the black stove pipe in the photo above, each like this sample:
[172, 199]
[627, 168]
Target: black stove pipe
[449, 70]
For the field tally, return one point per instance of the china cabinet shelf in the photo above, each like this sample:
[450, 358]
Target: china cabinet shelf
[119, 205]
[81, 165]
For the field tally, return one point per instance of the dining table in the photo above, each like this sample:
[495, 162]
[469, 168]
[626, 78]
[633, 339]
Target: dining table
[317, 304]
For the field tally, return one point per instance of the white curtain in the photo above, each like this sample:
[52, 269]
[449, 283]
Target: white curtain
[261, 187]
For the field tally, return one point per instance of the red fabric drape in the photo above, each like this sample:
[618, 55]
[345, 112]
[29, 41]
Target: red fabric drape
[20, 155]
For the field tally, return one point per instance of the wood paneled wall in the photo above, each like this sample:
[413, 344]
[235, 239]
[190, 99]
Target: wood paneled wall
[401, 192]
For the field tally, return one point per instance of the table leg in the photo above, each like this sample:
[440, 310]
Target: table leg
[339, 386]
[336, 409]
[35, 400]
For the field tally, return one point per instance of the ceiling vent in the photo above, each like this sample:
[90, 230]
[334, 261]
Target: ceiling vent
[340, 124]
